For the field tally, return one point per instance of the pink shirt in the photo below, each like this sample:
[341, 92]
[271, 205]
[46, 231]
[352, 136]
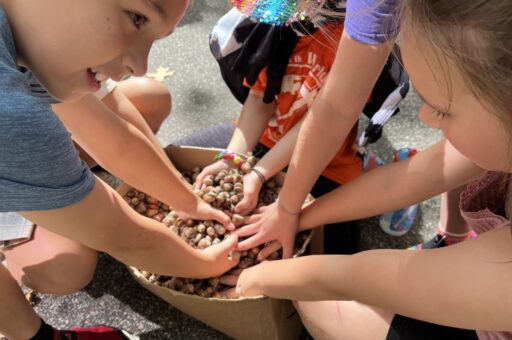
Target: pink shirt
[482, 206]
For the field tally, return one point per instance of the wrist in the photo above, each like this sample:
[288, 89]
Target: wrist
[254, 178]
[191, 207]
[291, 201]
[227, 164]
[305, 222]
[259, 174]
[206, 265]
[282, 208]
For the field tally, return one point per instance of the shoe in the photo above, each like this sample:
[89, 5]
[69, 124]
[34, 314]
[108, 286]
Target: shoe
[442, 240]
[399, 222]
[371, 161]
[94, 333]
[437, 242]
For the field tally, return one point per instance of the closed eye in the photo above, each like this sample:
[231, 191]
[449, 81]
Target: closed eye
[439, 114]
[137, 19]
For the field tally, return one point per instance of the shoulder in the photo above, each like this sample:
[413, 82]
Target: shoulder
[40, 167]
[371, 21]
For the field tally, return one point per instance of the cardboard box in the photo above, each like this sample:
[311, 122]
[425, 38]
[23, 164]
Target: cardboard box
[258, 318]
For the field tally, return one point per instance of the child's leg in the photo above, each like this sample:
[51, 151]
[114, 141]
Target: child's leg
[17, 318]
[149, 104]
[452, 227]
[353, 320]
[151, 98]
[343, 320]
[451, 222]
[19, 321]
[51, 263]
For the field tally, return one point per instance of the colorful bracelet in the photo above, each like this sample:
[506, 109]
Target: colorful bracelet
[237, 158]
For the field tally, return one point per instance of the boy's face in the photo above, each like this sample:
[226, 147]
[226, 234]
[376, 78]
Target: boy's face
[70, 44]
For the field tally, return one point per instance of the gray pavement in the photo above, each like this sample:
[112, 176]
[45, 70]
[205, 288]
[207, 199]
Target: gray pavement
[200, 99]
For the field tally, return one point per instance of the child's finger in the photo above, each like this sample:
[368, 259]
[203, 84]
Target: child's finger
[252, 242]
[251, 219]
[268, 250]
[200, 178]
[231, 293]
[244, 203]
[229, 243]
[247, 230]
[229, 280]
[236, 272]
[245, 206]
[223, 218]
[288, 248]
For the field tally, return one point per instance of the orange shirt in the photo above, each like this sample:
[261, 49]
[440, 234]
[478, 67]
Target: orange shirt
[306, 72]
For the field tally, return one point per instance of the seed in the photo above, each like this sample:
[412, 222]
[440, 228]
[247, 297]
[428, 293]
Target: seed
[227, 186]
[159, 217]
[210, 231]
[204, 243]
[201, 228]
[238, 220]
[209, 198]
[141, 208]
[219, 228]
[208, 181]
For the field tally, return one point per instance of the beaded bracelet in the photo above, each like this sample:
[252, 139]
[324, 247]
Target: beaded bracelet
[237, 158]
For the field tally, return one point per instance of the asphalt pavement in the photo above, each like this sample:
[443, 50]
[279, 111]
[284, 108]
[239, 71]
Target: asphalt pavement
[200, 99]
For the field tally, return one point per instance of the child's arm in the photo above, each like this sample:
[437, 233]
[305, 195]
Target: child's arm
[253, 120]
[104, 221]
[332, 115]
[125, 151]
[429, 173]
[438, 169]
[465, 285]
[275, 160]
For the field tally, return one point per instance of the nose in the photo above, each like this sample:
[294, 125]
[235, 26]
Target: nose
[136, 61]
[427, 116]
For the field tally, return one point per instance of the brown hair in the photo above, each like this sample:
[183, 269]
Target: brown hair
[477, 37]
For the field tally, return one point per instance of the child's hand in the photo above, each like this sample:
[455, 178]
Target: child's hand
[203, 211]
[213, 169]
[252, 187]
[244, 282]
[218, 256]
[269, 224]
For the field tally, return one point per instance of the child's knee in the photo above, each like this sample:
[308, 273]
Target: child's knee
[151, 98]
[163, 101]
[65, 274]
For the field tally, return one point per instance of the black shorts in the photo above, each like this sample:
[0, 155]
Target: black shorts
[404, 328]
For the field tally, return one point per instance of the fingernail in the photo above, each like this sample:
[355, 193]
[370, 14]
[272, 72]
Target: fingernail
[234, 255]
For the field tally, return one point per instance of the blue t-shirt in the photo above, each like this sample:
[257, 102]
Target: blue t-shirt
[371, 21]
[39, 165]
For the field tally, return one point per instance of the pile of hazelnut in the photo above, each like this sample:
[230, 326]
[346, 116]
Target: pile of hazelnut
[222, 191]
